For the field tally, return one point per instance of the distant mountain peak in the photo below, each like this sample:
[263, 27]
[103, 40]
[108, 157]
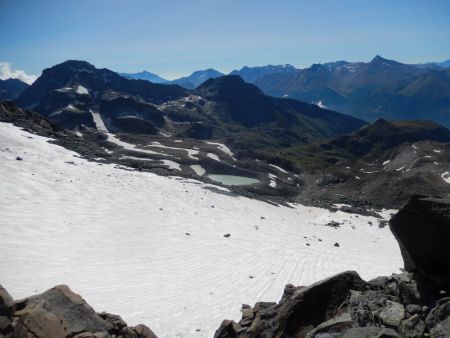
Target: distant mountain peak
[74, 65]
[197, 78]
[379, 60]
[144, 75]
[224, 81]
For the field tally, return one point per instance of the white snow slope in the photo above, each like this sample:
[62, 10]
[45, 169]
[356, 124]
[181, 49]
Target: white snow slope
[118, 238]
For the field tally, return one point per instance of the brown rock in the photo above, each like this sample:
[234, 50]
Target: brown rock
[58, 312]
[143, 331]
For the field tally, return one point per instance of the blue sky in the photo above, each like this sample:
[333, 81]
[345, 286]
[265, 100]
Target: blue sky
[175, 37]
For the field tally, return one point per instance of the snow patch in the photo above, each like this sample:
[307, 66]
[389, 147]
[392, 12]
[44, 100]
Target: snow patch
[98, 121]
[171, 164]
[223, 148]
[198, 169]
[213, 156]
[82, 90]
[320, 104]
[446, 176]
[278, 168]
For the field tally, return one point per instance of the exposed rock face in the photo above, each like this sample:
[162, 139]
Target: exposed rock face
[59, 312]
[410, 304]
[422, 229]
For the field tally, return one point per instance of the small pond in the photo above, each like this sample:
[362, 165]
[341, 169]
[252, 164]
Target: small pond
[233, 180]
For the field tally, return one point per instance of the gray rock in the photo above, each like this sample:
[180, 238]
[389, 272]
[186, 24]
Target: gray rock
[332, 326]
[412, 309]
[438, 318]
[441, 329]
[228, 329]
[392, 314]
[365, 307]
[413, 327]
[371, 332]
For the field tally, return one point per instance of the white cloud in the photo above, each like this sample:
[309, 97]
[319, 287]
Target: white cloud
[8, 72]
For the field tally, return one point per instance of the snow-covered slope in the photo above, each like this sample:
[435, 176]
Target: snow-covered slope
[152, 249]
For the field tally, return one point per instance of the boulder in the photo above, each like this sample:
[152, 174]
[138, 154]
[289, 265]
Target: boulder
[438, 319]
[143, 331]
[422, 229]
[413, 327]
[59, 312]
[228, 329]
[370, 332]
[332, 326]
[392, 314]
[313, 305]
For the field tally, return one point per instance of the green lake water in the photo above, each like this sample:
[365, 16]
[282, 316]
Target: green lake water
[233, 180]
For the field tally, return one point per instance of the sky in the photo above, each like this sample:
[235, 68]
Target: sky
[173, 38]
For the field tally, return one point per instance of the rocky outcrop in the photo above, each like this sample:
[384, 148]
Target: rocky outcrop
[415, 303]
[59, 312]
[422, 229]
[346, 306]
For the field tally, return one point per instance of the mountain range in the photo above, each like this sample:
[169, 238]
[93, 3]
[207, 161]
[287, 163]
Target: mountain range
[75, 94]
[380, 88]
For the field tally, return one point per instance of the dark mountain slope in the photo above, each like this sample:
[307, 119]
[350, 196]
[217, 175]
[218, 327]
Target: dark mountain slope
[98, 81]
[11, 88]
[71, 92]
[383, 135]
[227, 107]
[245, 103]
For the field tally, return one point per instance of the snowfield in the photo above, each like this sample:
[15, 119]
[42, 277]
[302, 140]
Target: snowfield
[118, 238]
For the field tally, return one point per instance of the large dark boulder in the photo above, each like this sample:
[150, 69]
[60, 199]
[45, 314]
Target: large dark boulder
[422, 229]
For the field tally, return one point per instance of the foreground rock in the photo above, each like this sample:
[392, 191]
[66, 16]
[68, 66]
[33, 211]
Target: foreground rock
[59, 312]
[422, 229]
[415, 303]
